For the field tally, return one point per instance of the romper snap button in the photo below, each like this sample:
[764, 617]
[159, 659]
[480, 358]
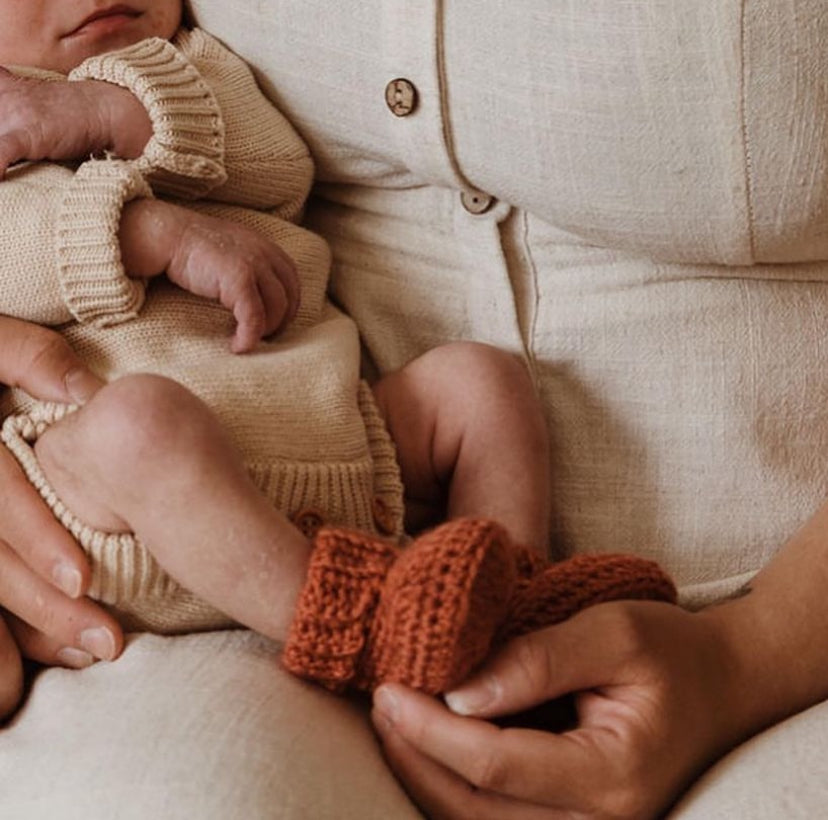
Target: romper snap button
[400, 97]
[308, 522]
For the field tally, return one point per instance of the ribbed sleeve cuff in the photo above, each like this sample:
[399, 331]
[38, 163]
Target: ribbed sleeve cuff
[94, 284]
[185, 156]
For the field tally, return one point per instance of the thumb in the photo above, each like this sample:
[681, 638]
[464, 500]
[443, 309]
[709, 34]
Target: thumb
[594, 648]
[42, 363]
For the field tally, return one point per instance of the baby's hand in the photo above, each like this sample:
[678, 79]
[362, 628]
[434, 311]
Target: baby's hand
[41, 119]
[215, 258]
[240, 268]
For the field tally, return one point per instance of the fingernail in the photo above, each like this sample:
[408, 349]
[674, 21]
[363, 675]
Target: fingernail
[387, 706]
[475, 699]
[100, 642]
[68, 579]
[81, 384]
[75, 658]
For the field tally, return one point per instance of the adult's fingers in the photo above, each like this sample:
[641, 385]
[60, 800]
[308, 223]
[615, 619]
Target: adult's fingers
[596, 647]
[74, 623]
[27, 524]
[38, 646]
[11, 672]
[43, 364]
[442, 793]
[525, 765]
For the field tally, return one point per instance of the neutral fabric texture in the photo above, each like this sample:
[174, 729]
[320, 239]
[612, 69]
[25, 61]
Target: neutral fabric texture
[656, 251]
[653, 161]
[204, 726]
[650, 162]
[309, 443]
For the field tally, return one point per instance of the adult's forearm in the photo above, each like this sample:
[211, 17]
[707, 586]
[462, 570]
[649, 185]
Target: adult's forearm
[777, 633]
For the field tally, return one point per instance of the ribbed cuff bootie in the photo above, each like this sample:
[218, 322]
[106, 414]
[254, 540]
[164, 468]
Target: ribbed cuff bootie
[548, 593]
[426, 615]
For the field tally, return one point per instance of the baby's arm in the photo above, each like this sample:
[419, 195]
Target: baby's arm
[189, 112]
[216, 258]
[78, 245]
[58, 235]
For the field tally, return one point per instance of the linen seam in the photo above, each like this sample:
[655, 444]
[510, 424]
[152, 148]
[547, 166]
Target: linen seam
[746, 147]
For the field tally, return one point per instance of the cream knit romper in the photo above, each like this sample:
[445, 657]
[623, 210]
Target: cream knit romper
[304, 421]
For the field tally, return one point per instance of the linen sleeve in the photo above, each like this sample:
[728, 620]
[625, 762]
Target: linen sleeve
[61, 257]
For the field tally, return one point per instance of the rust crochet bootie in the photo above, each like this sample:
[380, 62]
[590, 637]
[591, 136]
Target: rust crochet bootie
[548, 593]
[425, 615]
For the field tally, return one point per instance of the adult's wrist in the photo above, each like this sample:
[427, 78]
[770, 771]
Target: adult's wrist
[760, 680]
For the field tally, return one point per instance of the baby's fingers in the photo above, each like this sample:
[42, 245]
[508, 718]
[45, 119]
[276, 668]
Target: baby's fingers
[284, 269]
[280, 301]
[251, 319]
[10, 152]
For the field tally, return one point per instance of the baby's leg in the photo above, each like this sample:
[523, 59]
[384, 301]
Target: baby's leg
[471, 439]
[146, 456]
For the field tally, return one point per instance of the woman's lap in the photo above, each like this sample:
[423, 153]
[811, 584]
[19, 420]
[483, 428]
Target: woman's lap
[209, 726]
[781, 773]
[205, 726]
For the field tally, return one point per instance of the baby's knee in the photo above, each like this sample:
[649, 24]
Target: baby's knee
[475, 370]
[140, 416]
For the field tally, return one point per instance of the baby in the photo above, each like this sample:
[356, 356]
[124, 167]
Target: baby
[268, 484]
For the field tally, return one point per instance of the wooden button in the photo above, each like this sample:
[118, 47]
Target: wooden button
[400, 97]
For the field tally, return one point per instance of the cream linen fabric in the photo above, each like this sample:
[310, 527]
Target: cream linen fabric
[656, 254]
[650, 162]
[202, 727]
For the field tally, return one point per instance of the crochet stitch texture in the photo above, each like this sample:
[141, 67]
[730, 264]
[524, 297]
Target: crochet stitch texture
[427, 615]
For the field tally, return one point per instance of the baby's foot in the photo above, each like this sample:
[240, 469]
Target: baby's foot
[425, 616]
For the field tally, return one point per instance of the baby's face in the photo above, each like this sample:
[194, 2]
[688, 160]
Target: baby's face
[61, 34]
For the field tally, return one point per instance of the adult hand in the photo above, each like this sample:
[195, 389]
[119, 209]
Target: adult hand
[43, 572]
[656, 702]
[42, 119]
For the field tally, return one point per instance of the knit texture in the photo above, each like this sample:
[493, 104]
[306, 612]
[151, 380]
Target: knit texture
[213, 131]
[428, 615]
[309, 443]
[92, 279]
[547, 594]
[187, 144]
[424, 616]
